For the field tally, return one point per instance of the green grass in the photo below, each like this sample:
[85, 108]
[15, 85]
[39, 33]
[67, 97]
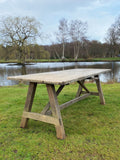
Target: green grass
[106, 59]
[65, 60]
[92, 130]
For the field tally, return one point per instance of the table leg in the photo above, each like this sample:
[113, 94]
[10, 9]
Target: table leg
[81, 86]
[60, 133]
[79, 91]
[81, 83]
[102, 100]
[29, 102]
[44, 111]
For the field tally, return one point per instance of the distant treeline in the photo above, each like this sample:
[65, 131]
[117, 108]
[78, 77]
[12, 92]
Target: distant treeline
[88, 49]
[31, 52]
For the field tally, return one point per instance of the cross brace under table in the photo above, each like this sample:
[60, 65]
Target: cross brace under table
[51, 113]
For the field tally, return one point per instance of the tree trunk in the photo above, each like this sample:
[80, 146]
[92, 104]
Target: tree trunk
[63, 51]
[76, 51]
[22, 55]
[23, 69]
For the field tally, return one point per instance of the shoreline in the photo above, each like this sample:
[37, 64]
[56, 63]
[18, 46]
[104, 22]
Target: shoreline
[66, 60]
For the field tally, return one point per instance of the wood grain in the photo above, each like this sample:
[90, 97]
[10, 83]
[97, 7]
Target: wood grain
[28, 103]
[102, 100]
[48, 105]
[40, 117]
[60, 77]
[60, 133]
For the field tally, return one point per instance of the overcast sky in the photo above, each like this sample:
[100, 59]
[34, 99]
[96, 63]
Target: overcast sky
[99, 14]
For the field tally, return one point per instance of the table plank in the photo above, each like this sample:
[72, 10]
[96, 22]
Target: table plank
[60, 77]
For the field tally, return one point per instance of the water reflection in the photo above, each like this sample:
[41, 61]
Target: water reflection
[14, 69]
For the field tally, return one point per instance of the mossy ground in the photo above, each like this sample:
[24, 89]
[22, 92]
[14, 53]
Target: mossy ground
[92, 130]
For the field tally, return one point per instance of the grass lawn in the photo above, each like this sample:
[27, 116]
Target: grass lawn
[92, 130]
[65, 60]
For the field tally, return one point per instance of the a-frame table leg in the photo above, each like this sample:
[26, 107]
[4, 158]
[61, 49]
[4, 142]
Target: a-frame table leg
[102, 100]
[81, 85]
[29, 102]
[79, 91]
[44, 111]
[60, 133]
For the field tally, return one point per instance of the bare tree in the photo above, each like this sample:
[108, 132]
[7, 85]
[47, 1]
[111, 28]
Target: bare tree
[19, 32]
[77, 33]
[85, 46]
[117, 28]
[112, 38]
[54, 49]
[62, 34]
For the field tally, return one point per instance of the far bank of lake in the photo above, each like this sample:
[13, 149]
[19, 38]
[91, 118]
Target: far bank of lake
[111, 59]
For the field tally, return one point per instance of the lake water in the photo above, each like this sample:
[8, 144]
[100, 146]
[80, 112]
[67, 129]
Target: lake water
[13, 69]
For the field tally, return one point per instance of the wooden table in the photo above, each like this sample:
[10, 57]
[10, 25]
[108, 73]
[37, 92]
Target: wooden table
[51, 113]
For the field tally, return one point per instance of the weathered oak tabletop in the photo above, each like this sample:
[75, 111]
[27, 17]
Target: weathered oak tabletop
[60, 77]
